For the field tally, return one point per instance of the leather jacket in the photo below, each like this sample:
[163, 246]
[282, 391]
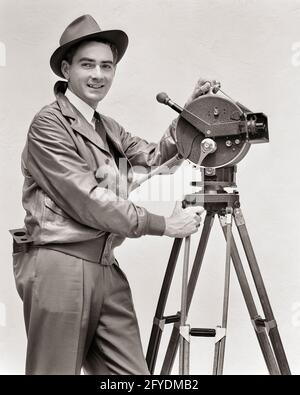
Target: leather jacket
[70, 192]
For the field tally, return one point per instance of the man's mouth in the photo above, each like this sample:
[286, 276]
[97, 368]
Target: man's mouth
[95, 86]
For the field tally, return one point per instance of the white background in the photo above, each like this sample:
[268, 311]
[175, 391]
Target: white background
[253, 48]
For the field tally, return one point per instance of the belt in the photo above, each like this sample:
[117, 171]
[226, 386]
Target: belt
[89, 250]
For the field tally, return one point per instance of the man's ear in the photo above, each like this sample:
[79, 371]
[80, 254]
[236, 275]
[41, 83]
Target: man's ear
[65, 69]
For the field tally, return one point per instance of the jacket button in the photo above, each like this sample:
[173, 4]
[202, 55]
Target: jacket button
[106, 161]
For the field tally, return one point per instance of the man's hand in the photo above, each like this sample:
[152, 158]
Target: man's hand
[183, 221]
[203, 86]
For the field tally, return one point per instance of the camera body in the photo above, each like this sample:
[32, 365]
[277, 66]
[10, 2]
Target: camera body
[213, 131]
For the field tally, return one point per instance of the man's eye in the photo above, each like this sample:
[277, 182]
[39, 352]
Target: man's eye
[87, 65]
[107, 66]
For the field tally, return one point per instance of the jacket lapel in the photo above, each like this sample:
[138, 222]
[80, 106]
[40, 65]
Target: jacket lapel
[113, 139]
[78, 122]
[82, 126]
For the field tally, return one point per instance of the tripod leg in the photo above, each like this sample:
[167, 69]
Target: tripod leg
[261, 290]
[208, 223]
[174, 339]
[260, 332]
[158, 322]
[220, 344]
[184, 348]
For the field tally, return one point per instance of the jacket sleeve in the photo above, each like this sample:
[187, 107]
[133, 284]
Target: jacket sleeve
[66, 178]
[142, 153]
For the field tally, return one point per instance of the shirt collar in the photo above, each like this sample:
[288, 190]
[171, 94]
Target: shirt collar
[86, 110]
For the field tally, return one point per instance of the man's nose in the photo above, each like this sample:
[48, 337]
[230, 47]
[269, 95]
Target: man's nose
[97, 73]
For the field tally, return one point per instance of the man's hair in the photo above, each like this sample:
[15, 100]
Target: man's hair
[69, 55]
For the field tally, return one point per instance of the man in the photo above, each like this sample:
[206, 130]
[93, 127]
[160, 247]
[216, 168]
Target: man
[77, 303]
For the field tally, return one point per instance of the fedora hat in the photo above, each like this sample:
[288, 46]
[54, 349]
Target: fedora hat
[86, 28]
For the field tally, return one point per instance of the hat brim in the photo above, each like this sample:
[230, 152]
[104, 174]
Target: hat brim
[116, 37]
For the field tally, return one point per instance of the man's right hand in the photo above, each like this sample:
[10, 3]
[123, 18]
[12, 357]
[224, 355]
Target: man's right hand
[183, 221]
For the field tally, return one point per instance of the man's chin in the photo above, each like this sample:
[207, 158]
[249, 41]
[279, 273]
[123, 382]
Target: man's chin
[93, 99]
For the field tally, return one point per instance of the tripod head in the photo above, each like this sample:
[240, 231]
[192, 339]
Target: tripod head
[215, 180]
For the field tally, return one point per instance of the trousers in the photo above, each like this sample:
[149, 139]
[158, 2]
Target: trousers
[78, 316]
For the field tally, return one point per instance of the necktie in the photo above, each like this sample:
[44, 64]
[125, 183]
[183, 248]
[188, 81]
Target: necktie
[100, 129]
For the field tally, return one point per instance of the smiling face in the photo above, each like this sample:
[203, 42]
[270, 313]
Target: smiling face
[91, 71]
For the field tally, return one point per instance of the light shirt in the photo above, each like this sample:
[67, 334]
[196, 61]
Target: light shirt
[86, 110]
